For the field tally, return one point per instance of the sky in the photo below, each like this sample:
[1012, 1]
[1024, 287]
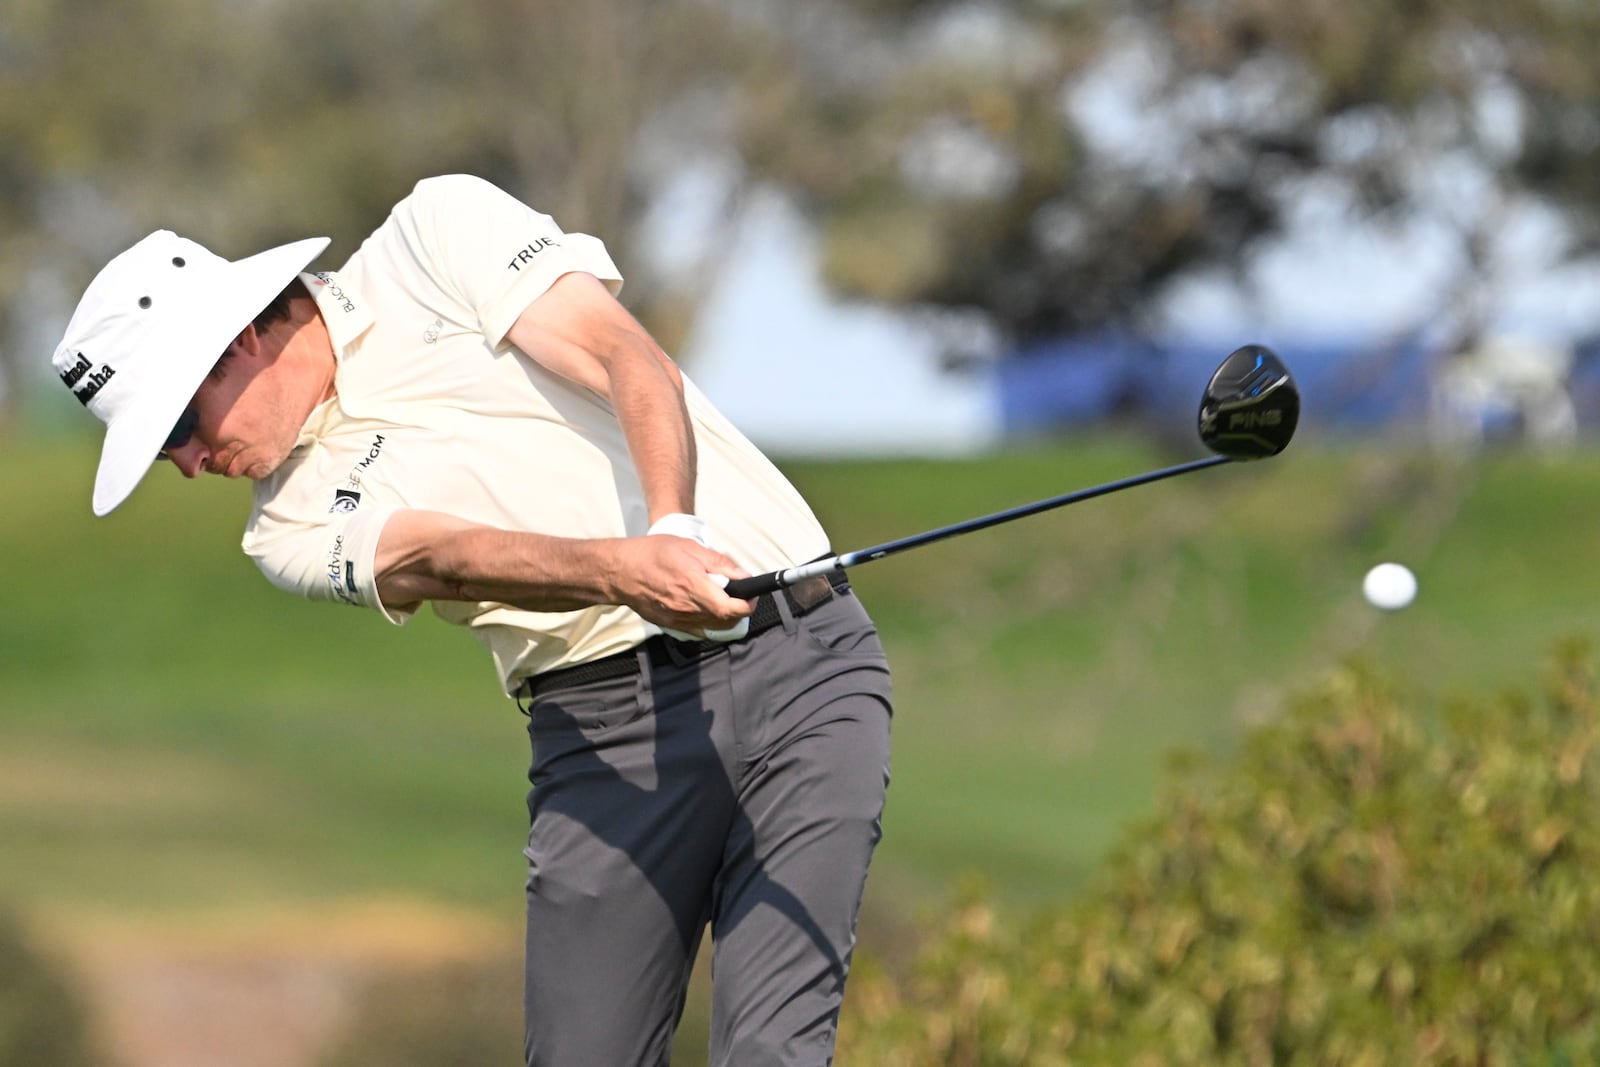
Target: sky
[802, 372]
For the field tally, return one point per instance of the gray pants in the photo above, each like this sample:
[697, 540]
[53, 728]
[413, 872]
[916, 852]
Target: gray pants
[742, 787]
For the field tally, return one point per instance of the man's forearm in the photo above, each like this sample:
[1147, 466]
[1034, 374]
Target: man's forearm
[647, 397]
[427, 555]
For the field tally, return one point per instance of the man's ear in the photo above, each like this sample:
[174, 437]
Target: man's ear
[248, 343]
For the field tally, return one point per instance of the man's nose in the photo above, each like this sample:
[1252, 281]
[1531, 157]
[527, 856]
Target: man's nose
[190, 459]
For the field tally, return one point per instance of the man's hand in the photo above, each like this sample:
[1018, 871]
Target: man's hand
[672, 582]
[695, 529]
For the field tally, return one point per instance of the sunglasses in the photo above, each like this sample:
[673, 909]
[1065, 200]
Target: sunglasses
[182, 431]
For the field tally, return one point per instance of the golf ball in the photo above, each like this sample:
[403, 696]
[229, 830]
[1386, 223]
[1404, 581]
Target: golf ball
[1390, 586]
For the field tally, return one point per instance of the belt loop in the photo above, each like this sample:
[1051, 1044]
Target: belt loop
[783, 604]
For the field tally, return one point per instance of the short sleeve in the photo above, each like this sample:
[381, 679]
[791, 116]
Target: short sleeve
[495, 253]
[331, 561]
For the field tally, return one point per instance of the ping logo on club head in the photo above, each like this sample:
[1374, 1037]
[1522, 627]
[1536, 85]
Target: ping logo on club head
[1254, 420]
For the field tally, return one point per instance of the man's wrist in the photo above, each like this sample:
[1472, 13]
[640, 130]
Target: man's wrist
[680, 524]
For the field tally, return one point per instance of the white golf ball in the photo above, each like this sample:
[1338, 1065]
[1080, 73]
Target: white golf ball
[1389, 586]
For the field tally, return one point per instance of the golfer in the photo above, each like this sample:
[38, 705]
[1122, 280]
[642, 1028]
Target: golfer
[463, 415]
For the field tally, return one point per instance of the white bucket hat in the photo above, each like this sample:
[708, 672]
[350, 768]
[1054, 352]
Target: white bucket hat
[149, 329]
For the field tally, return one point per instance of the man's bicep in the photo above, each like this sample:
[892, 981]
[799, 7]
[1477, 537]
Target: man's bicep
[577, 329]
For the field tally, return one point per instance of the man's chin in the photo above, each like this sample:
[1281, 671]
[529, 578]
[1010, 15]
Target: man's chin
[261, 469]
[254, 469]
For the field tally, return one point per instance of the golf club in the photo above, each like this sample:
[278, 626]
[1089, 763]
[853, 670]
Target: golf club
[1248, 411]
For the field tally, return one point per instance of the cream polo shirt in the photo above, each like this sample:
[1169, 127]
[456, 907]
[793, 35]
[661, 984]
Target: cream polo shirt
[436, 410]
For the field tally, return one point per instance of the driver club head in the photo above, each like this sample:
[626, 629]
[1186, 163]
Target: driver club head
[1250, 406]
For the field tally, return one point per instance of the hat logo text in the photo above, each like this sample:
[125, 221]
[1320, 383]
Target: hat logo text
[84, 369]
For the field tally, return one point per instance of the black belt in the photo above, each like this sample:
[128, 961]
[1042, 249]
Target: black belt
[803, 597]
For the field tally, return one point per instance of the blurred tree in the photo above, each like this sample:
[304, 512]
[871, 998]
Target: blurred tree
[246, 124]
[1464, 119]
[930, 142]
[1059, 165]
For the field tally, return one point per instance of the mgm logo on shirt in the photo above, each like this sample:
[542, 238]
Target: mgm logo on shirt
[348, 499]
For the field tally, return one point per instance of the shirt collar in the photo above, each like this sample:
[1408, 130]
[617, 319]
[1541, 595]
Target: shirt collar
[347, 317]
[343, 309]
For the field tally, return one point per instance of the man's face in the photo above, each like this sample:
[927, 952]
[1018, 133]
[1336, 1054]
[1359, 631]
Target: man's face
[245, 424]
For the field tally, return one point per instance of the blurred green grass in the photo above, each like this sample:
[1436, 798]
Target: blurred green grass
[175, 734]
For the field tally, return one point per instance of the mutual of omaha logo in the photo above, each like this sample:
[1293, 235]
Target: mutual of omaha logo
[344, 501]
[93, 380]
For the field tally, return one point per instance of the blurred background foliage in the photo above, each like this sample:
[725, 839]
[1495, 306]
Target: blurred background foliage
[179, 742]
[1048, 166]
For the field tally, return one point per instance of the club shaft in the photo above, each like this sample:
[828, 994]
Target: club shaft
[773, 580]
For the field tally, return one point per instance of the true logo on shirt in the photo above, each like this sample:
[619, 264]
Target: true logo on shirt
[525, 256]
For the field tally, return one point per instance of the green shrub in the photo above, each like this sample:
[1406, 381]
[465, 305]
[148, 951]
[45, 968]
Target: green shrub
[1352, 890]
[42, 1019]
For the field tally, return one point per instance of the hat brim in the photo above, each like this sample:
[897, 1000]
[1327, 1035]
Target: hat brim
[237, 295]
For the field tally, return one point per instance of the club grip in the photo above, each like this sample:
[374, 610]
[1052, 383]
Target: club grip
[755, 585]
